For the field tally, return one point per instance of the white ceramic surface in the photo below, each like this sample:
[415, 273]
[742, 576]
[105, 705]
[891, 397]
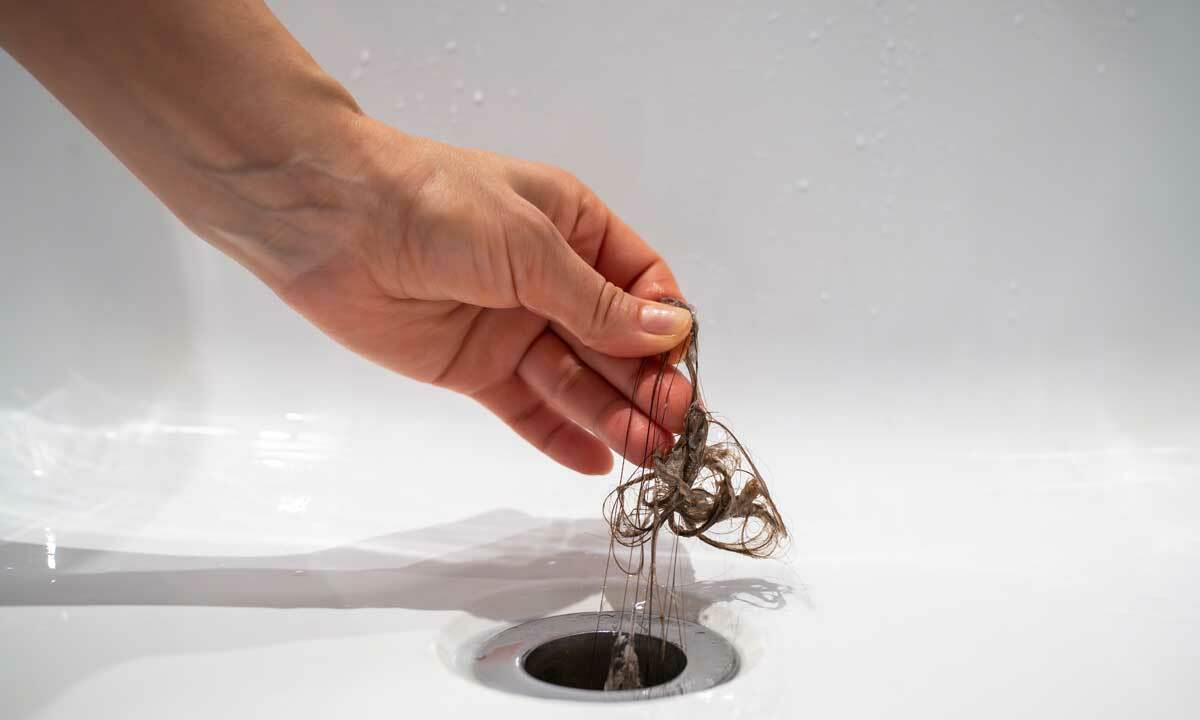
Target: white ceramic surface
[947, 259]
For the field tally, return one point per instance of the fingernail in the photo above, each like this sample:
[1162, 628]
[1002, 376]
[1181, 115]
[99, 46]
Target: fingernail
[659, 319]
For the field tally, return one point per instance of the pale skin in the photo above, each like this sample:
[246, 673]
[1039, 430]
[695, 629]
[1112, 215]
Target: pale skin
[505, 280]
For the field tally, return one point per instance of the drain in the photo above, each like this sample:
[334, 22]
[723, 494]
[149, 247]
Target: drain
[581, 661]
[564, 657]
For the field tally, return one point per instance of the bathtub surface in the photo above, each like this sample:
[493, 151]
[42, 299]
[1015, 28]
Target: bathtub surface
[947, 268]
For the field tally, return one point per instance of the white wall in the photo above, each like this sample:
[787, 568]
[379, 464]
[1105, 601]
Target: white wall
[1018, 228]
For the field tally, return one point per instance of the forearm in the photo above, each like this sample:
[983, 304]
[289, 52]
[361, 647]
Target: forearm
[213, 105]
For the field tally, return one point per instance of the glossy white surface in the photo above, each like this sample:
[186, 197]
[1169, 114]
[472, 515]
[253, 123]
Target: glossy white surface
[949, 276]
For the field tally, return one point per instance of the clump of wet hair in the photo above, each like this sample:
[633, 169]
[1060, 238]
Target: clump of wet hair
[700, 488]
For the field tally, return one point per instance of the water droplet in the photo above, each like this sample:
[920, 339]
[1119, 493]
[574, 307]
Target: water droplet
[356, 73]
[829, 21]
[1018, 19]
[881, 136]
[400, 105]
[477, 98]
[451, 46]
[453, 108]
[1101, 68]
[802, 184]
[502, 8]
[459, 85]
[860, 141]
[824, 296]
[773, 16]
[364, 57]
[890, 44]
[1131, 14]
[512, 93]
[814, 36]
[874, 311]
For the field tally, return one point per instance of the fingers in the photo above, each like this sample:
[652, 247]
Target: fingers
[514, 402]
[660, 391]
[628, 261]
[552, 280]
[596, 233]
[580, 394]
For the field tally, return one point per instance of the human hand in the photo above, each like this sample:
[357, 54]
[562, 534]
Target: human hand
[504, 280]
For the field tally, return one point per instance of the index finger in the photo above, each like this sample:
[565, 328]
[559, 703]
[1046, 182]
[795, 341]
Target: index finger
[596, 233]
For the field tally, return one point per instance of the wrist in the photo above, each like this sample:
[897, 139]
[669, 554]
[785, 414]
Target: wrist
[282, 205]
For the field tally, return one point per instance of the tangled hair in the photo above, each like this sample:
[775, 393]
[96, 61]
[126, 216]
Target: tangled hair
[699, 488]
[709, 490]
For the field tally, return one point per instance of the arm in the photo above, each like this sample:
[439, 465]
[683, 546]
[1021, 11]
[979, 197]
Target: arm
[212, 105]
[505, 280]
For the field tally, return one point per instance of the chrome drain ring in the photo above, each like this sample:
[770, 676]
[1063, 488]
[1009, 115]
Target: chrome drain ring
[500, 661]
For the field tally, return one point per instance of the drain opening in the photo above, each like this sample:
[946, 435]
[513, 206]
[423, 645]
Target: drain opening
[581, 661]
[563, 657]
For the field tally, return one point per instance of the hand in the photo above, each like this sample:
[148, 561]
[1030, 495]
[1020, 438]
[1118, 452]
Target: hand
[505, 280]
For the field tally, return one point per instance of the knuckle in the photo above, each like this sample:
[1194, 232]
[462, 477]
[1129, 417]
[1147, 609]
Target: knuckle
[611, 410]
[590, 227]
[529, 237]
[548, 438]
[571, 374]
[608, 307]
[558, 176]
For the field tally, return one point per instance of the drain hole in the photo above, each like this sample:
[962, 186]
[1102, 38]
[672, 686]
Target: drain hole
[581, 661]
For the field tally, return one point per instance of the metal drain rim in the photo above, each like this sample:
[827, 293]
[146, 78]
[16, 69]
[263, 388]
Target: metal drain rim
[500, 661]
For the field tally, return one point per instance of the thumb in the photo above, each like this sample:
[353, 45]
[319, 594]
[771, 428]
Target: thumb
[552, 280]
